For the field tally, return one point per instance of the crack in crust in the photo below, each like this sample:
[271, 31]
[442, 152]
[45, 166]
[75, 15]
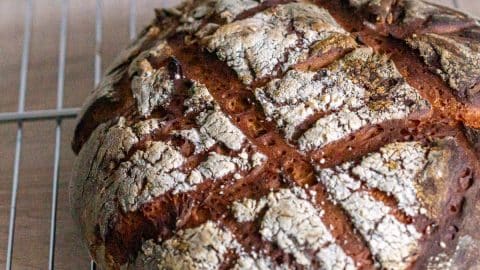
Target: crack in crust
[151, 87]
[407, 16]
[448, 41]
[278, 37]
[292, 222]
[393, 243]
[298, 95]
[202, 247]
[380, 93]
[193, 21]
[410, 172]
[428, 17]
[394, 170]
[455, 59]
[111, 90]
[123, 177]
[290, 164]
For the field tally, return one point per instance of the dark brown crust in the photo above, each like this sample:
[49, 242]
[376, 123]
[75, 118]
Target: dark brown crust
[451, 115]
[473, 136]
[442, 121]
[462, 174]
[424, 19]
[100, 107]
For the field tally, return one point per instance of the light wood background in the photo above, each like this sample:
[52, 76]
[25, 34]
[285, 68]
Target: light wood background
[34, 193]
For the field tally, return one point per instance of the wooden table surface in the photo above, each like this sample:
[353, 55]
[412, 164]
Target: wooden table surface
[34, 191]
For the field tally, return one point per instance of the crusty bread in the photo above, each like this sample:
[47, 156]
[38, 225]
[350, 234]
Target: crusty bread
[276, 134]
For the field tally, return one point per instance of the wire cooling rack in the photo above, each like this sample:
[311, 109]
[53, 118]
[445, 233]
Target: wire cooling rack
[60, 113]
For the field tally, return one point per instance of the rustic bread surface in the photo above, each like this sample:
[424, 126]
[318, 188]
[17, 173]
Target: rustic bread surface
[245, 134]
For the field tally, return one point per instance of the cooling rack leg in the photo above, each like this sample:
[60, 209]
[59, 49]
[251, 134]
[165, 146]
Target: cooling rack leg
[18, 143]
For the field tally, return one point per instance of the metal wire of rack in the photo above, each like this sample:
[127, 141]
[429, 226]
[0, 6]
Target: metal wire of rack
[58, 114]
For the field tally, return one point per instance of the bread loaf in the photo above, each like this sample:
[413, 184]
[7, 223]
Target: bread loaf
[274, 134]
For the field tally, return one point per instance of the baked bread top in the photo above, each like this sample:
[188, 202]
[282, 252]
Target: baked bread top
[269, 134]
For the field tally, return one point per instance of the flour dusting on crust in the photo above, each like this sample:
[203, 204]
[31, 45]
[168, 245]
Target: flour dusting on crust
[289, 101]
[383, 95]
[281, 35]
[214, 125]
[155, 166]
[202, 247]
[193, 21]
[151, 87]
[395, 170]
[257, 262]
[295, 225]
[247, 209]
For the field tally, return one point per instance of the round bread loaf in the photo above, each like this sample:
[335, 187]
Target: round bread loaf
[274, 134]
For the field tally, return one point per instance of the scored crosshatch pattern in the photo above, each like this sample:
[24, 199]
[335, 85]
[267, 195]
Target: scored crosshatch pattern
[30, 96]
[127, 164]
